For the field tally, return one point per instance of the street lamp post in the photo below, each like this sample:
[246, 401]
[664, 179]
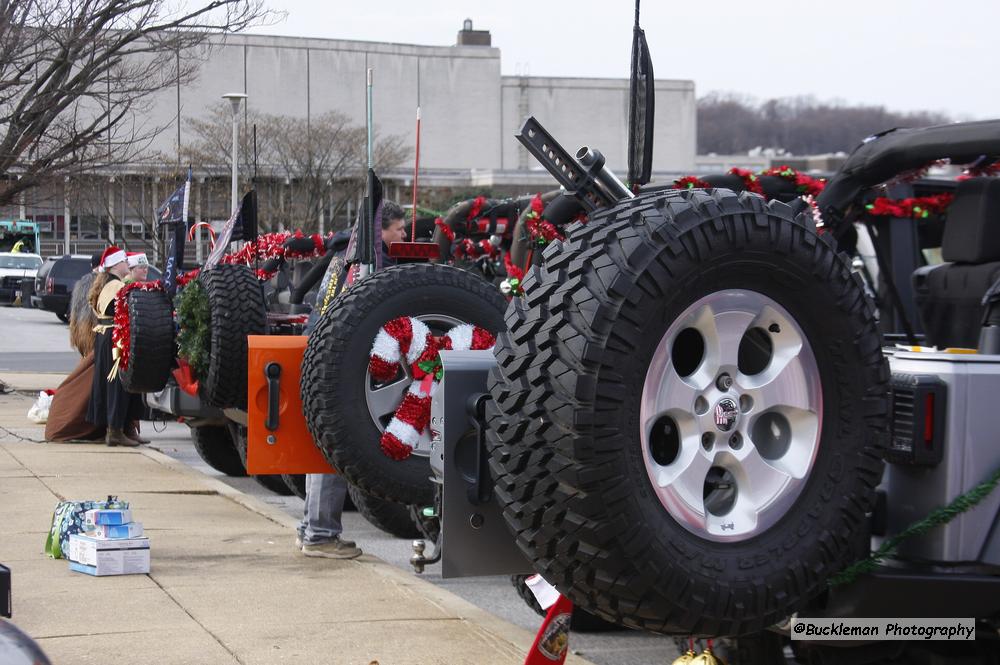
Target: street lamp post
[234, 99]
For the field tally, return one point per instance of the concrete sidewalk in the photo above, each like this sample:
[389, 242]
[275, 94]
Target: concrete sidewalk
[225, 586]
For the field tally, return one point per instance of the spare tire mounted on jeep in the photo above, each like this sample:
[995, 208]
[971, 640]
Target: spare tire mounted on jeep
[690, 406]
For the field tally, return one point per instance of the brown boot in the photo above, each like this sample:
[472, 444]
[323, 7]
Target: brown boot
[133, 433]
[116, 437]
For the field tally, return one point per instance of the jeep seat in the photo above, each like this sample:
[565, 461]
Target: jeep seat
[949, 295]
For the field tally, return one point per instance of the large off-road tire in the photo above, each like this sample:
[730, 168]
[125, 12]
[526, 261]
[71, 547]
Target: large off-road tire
[151, 342]
[273, 482]
[216, 448]
[296, 484]
[389, 516]
[345, 411]
[612, 428]
[581, 621]
[236, 304]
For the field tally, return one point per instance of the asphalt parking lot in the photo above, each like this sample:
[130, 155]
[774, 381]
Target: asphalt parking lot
[36, 341]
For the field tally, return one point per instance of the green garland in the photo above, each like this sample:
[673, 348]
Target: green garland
[194, 338]
[937, 517]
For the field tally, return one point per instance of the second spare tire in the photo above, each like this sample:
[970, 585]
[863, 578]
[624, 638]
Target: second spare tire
[236, 309]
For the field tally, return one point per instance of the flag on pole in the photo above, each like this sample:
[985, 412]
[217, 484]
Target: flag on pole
[175, 208]
[172, 214]
[640, 109]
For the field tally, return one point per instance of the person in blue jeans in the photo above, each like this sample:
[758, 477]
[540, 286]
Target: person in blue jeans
[319, 532]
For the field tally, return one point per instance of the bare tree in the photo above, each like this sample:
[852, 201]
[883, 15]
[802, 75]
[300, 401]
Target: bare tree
[306, 166]
[76, 77]
[734, 124]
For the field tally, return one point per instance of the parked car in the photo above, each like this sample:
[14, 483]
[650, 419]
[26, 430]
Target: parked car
[16, 268]
[54, 283]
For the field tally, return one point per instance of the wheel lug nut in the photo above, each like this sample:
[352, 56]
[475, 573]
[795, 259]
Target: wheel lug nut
[724, 382]
[736, 441]
[707, 439]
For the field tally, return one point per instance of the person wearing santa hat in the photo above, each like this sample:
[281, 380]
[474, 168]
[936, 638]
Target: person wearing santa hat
[138, 267]
[110, 404]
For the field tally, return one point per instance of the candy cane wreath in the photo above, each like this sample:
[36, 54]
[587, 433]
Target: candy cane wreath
[409, 338]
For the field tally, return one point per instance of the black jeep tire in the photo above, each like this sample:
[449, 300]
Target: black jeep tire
[581, 621]
[296, 483]
[215, 447]
[273, 482]
[389, 516]
[236, 304]
[151, 342]
[565, 438]
[335, 368]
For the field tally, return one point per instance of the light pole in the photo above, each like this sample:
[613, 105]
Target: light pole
[234, 99]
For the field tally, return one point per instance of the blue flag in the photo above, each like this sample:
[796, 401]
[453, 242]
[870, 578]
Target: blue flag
[175, 208]
[173, 214]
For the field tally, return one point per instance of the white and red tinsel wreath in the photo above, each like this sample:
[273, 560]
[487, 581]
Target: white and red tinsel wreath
[121, 342]
[410, 339]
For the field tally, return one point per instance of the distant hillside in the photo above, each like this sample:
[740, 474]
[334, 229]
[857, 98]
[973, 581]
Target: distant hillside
[733, 124]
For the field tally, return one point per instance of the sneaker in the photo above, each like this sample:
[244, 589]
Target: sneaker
[346, 543]
[335, 549]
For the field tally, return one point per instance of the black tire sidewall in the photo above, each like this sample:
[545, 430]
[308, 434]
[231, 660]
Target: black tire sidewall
[151, 342]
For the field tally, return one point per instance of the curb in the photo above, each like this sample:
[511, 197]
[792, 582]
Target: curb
[502, 634]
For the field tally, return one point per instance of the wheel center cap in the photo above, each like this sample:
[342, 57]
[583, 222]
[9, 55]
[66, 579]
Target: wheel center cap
[726, 414]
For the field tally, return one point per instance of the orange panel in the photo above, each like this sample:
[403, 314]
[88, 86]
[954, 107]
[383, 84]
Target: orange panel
[289, 448]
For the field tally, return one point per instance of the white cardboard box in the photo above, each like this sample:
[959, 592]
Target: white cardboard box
[99, 557]
[114, 531]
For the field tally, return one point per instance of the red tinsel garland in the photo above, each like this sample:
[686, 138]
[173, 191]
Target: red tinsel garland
[514, 284]
[750, 181]
[271, 245]
[477, 207]
[916, 207]
[540, 230]
[186, 278]
[805, 185]
[445, 229]
[121, 343]
[691, 182]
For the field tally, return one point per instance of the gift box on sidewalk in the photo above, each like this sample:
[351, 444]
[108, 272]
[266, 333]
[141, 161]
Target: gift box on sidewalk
[99, 557]
[115, 531]
[107, 516]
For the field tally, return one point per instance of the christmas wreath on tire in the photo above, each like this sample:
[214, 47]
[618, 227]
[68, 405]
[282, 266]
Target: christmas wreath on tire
[347, 409]
[689, 413]
[543, 221]
[214, 445]
[393, 518]
[146, 349]
[236, 306]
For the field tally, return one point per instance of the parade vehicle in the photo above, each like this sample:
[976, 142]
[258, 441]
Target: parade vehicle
[695, 426]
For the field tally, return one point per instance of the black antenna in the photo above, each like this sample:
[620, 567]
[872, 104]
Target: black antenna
[254, 179]
[637, 13]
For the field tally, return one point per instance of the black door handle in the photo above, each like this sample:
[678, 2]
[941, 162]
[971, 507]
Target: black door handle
[273, 373]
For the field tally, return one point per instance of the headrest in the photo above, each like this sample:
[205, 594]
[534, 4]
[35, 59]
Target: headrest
[972, 228]
[776, 187]
[726, 181]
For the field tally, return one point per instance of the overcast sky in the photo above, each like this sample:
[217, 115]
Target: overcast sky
[903, 54]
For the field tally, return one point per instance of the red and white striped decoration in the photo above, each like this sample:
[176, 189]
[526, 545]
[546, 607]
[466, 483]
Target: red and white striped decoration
[406, 339]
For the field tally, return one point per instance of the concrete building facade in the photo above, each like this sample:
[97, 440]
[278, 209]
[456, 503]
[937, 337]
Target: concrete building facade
[470, 113]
